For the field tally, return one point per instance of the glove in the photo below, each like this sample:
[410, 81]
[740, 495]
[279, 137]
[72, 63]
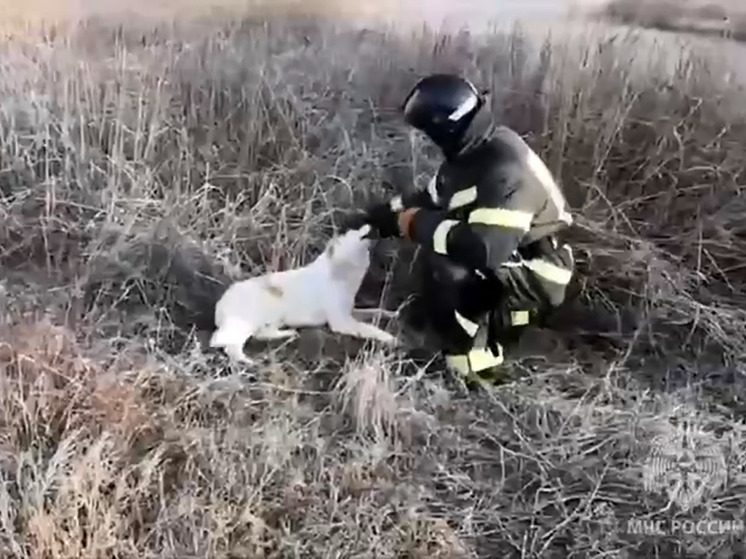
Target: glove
[494, 330]
[404, 219]
[382, 218]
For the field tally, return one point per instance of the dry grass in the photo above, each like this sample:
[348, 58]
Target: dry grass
[18, 17]
[143, 167]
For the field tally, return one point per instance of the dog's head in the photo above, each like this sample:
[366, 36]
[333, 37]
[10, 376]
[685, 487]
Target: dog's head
[352, 248]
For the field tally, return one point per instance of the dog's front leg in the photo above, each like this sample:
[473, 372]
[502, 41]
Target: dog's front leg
[276, 334]
[346, 324]
[384, 313]
[237, 355]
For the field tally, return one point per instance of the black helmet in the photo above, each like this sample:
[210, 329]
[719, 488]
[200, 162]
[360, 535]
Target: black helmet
[442, 106]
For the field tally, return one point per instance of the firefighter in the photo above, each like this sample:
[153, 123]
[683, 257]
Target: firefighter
[488, 221]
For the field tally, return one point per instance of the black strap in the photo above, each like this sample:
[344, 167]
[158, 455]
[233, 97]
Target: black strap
[493, 331]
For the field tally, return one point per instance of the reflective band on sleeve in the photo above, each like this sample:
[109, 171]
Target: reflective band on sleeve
[548, 271]
[469, 327]
[544, 176]
[512, 219]
[519, 318]
[463, 198]
[440, 235]
[396, 204]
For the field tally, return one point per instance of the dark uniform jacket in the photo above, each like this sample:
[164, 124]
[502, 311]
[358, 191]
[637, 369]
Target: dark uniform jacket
[495, 208]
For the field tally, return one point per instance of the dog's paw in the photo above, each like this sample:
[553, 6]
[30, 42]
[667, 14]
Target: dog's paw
[293, 334]
[244, 362]
[276, 334]
[237, 357]
[388, 339]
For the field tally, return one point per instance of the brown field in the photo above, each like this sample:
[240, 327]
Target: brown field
[723, 18]
[142, 167]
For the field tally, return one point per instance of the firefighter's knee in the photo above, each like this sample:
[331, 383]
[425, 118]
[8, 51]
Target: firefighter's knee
[556, 295]
[444, 271]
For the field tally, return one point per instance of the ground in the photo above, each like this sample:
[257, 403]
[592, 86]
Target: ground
[144, 166]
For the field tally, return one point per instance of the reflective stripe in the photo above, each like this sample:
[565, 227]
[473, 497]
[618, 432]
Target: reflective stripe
[440, 236]
[469, 327]
[568, 249]
[396, 204]
[463, 109]
[519, 318]
[463, 198]
[544, 268]
[475, 361]
[544, 176]
[460, 363]
[513, 219]
[548, 271]
[512, 264]
[433, 190]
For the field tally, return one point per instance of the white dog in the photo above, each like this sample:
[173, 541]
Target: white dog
[322, 292]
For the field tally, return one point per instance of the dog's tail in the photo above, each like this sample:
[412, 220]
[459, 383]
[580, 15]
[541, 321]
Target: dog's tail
[160, 270]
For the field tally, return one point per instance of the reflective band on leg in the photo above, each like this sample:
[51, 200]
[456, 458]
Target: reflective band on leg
[460, 363]
[512, 219]
[463, 198]
[469, 327]
[548, 271]
[396, 204]
[475, 361]
[481, 359]
[519, 318]
[440, 235]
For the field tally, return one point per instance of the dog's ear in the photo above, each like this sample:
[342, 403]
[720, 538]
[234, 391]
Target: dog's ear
[365, 231]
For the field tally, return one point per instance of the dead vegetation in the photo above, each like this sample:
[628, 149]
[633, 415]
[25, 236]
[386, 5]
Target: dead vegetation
[143, 167]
